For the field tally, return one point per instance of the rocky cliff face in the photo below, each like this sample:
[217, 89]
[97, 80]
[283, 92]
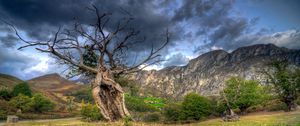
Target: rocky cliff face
[207, 73]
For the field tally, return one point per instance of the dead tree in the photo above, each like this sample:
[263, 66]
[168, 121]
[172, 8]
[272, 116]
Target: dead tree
[109, 46]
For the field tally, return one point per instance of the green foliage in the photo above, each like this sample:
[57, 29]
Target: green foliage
[89, 59]
[275, 105]
[152, 117]
[286, 83]
[22, 88]
[22, 102]
[70, 103]
[155, 102]
[195, 107]
[5, 109]
[219, 107]
[127, 121]
[172, 112]
[298, 101]
[90, 112]
[41, 104]
[84, 94]
[5, 94]
[133, 90]
[35, 104]
[137, 104]
[242, 93]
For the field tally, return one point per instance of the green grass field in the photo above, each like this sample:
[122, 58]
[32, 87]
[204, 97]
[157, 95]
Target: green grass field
[255, 119]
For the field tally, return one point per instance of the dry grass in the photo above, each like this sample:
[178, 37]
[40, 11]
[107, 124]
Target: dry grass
[256, 119]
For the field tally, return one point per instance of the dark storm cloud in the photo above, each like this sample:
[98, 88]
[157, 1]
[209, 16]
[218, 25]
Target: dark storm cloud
[40, 18]
[14, 63]
[229, 30]
[289, 39]
[8, 40]
[176, 60]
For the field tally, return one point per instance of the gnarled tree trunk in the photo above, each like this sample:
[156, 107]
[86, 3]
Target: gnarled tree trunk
[109, 98]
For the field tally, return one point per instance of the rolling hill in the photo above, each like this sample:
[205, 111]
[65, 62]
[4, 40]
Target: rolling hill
[55, 87]
[8, 81]
[52, 86]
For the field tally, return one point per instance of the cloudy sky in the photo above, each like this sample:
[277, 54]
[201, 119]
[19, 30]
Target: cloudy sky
[196, 26]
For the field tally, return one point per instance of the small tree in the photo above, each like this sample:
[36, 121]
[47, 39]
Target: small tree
[40, 103]
[90, 112]
[286, 83]
[22, 88]
[5, 94]
[242, 93]
[195, 107]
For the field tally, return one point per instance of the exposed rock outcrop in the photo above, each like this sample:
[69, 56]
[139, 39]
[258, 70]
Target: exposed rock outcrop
[207, 73]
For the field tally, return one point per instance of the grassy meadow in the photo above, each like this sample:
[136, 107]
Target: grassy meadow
[279, 118]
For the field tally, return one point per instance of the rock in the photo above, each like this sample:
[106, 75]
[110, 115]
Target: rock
[12, 119]
[231, 118]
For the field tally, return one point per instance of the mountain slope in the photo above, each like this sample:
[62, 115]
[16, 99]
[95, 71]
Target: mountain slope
[207, 73]
[54, 86]
[8, 81]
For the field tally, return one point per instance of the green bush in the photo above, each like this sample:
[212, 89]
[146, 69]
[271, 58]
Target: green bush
[276, 105]
[2, 114]
[195, 107]
[83, 94]
[5, 109]
[152, 117]
[22, 88]
[298, 101]
[128, 84]
[22, 102]
[35, 104]
[137, 104]
[90, 112]
[5, 94]
[41, 104]
[172, 112]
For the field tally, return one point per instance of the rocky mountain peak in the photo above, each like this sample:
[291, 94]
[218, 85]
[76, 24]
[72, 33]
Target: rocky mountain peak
[207, 73]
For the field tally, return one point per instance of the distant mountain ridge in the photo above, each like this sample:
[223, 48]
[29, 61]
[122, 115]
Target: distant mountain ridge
[8, 81]
[207, 73]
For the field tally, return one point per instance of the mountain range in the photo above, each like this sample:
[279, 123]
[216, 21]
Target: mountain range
[207, 73]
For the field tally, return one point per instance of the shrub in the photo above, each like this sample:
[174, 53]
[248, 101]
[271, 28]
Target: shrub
[172, 112]
[276, 105]
[22, 102]
[129, 84]
[84, 94]
[195, 107]
[90, 112]
[152, 117]
[22, 88]
[5, 94]
[137, 104]
[5, 109]
[298, 101]
[41, 104]
[35, 104]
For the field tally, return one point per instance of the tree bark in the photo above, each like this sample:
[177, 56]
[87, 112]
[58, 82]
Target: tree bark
[109, 98]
